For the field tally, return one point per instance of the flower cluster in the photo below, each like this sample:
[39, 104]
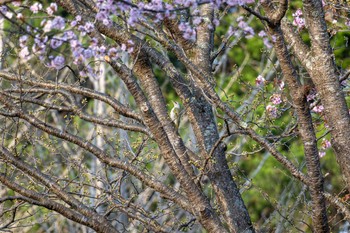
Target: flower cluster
[248, 30]
[189, 33]
[158, 10]
[280, 84]
[298, 20]
[347, 23]
[57, 62]
[39, 46]
[51, 9]
[260, 80]
[318, 108]
[271, 110]
[311, 96]
[266, 41]
[324, 145]
[49, 48]
[36, 7]
[57, 23]
[276, 99]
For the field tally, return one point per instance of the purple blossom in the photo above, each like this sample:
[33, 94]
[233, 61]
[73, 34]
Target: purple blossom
[94, 41]
[197, 20]
[58, 23]
[321, 153]
[76, 21]
[182, 26]
[273, 38]
[56, 42]
[88, 53]
[267, 43]
[78, 58]
[77, 52]
[216, 22]
[87, 71]
[262, 33]
[240, 18]
[69, 35]
[347, 23]
[74, 43]
[4, 10]
[113, 53]
[134, 17]
[249, 31]
[102, 50]
[159, 17]
[23, 41]
[189, 33]
[89, 27]
[39, 45]
[231, 30]
[185, 3]
[58, 62]
[238, 2]
[82, 73]
[103, 16]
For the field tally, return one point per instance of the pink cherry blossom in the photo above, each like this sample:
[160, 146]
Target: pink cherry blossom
[51, 9]
[326, 144]
[321, 153]
[260, 80]
[24, 53]
[276, 99]
[36, 7]
[16, 3]
[271, 111]
[298, 20]
[20, 16]
[318, 109]
[280, 84]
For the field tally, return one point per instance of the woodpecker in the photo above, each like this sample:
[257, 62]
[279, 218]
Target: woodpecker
[175, 114]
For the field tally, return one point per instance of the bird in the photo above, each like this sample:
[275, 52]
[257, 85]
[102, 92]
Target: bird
[175, 114]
